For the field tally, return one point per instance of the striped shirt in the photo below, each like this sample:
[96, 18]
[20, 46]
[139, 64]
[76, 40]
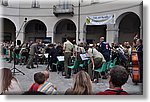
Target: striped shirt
[47, 88]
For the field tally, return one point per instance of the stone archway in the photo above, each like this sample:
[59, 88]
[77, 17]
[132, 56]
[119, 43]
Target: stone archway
[129, 25]
[64, 28]
[35, 29]
[94, 32]
[8, 30]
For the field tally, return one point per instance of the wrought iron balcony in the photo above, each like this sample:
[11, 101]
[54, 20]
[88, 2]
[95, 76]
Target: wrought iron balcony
[35, 4]
[63, 9]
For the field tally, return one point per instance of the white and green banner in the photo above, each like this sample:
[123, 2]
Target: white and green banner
[100, 20]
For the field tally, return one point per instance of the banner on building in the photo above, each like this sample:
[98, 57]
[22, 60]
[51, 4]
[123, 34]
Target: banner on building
[100, 20]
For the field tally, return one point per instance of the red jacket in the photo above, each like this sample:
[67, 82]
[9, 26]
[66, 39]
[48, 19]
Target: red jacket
[113, 92]
[34, 87]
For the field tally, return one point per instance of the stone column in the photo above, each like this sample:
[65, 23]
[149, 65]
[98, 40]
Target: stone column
[141, 32]
[141, 19]
[77, 38]
[50, 34]
[82, 37]
[112, 34]
[20, 35]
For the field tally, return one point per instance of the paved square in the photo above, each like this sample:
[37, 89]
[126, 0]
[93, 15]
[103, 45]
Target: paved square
[62, 83]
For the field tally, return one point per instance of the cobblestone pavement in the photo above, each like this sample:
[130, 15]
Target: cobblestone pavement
[62, 83]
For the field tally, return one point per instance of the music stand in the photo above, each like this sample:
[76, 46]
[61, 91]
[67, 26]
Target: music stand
[14, 69]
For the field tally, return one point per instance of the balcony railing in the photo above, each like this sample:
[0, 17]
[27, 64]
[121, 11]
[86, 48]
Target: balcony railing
[63, 9]
[35, 4]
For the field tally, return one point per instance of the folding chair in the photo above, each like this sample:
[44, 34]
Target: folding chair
[84, 64]
[57, 64]
[101, 69]
[75, 65]
[113, 64]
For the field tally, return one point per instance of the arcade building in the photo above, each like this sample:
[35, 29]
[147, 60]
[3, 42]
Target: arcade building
[82, 20]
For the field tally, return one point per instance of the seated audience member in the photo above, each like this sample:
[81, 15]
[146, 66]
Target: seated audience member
[44, 86]
[82, 85]
[9, 84]
[39, 79]
[118, 77]
[33, 93]
[46, 73]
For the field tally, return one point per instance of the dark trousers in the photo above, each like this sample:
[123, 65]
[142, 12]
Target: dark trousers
[30, 61]
[67, 62]
[107, 57]
[141, 70]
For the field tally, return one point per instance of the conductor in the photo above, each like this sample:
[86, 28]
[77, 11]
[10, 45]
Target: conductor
[33, 51]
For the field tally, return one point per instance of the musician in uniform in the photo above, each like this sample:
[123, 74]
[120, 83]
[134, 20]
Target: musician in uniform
[11, 47]
[139, 49]
[97, 59]
[67, 47]
[32, 52]
[52, 56]
[104, 49]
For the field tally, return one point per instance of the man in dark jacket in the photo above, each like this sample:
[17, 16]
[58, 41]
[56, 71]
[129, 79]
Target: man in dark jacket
[139, 49]
[52, 56]
[104, 48]
[59, 49]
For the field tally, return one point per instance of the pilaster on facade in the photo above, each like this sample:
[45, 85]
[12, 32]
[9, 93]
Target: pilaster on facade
[82, 37]
[112, 34]
[20, 35]
[51, 35]
[141, 32]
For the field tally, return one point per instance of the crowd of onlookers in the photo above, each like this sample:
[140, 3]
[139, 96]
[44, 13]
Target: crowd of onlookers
[82, 84]
[34, 52]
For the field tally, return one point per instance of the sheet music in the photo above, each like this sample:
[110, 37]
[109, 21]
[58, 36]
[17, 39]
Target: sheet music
[60, 58]
[46, 55]
[84, 56]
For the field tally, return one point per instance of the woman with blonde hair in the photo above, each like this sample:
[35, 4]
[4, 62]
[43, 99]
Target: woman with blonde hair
[9, 84]
[82, 85]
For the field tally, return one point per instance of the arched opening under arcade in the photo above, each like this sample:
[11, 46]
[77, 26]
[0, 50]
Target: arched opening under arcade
[35, 29]
[129, 26]
[64, 28]
[8, 32]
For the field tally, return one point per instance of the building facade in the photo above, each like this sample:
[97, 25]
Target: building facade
[55, 20]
